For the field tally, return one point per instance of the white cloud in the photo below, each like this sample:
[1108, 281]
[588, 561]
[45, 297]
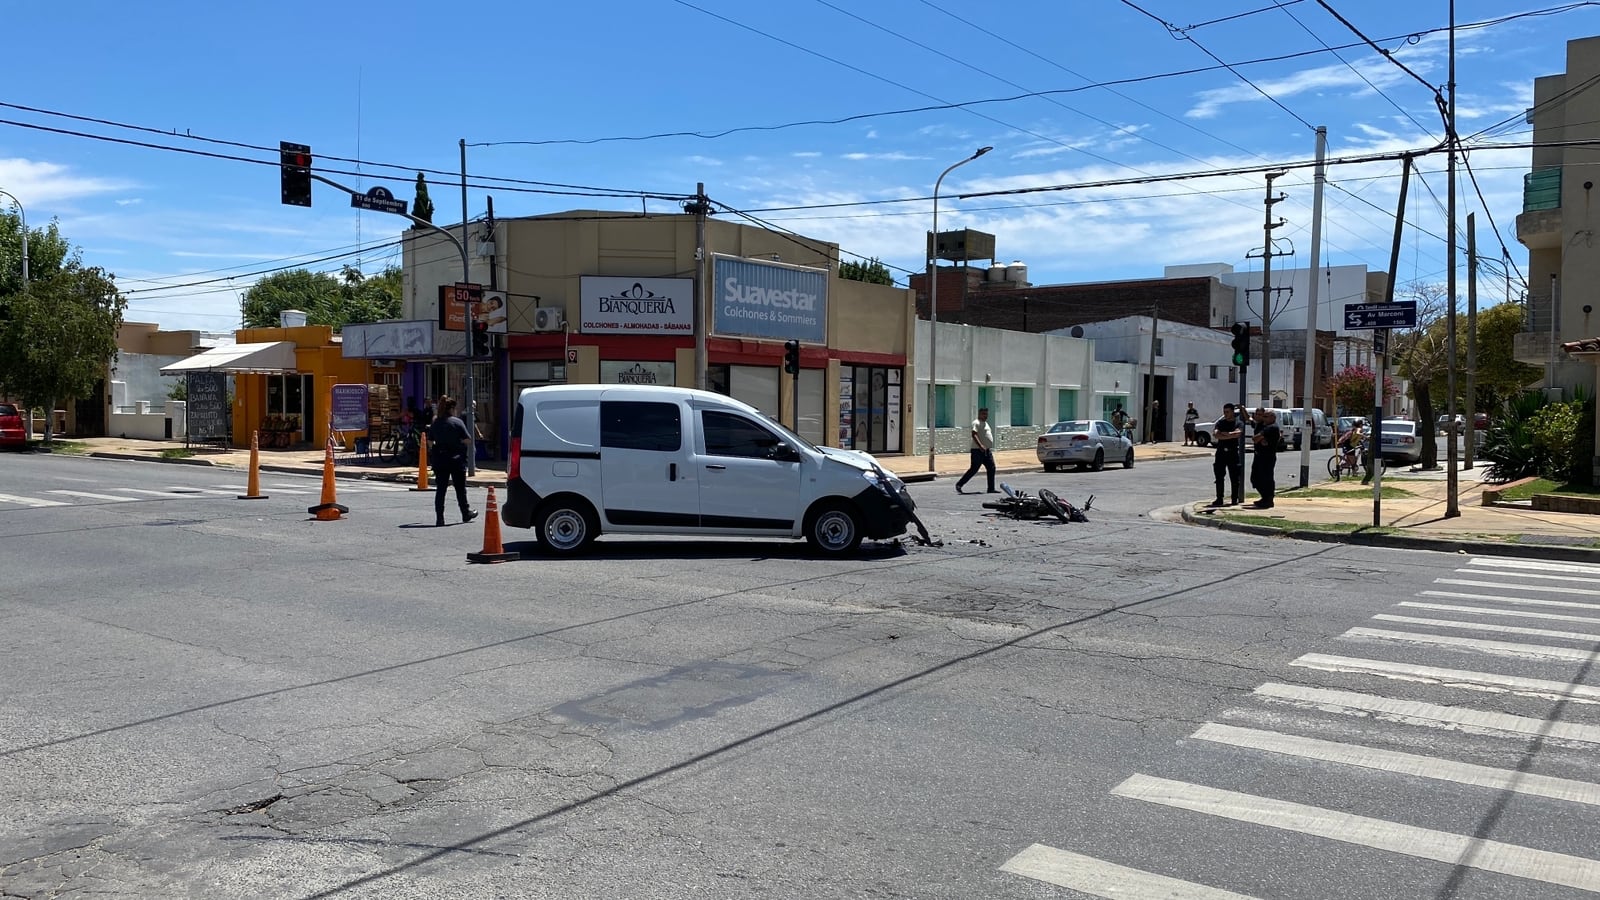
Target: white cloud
[46, 184]
[893, 156]
[806, 154]
[703, 160]
[131, 201]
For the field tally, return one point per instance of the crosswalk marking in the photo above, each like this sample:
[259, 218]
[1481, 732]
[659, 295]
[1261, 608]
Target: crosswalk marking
[36, 502]
[1098, 878]
[167, 494]
[1542, 588]
[1482, 681]
[1504, 648]
[1583, 579]
[1429, 714]
[1500, 598]
[1381, 834]
[1491, 626]
[1403, 763]
[189, 490]
[107, 497]
[1497, 562]
[1485, 611]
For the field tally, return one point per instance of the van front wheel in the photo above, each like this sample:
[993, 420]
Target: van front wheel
[565, 527]
[834, 529]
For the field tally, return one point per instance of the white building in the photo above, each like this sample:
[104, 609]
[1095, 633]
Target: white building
[1027, 381]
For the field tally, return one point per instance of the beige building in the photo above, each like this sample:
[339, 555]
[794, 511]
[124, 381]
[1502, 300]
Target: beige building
[588, 297]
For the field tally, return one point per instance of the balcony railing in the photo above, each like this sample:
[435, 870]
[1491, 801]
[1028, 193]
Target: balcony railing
[1541, 189]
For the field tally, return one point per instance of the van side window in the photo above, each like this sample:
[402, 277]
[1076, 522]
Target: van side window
[731, 435]
[631, 425]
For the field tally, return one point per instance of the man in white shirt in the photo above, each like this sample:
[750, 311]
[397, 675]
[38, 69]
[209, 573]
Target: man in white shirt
[982, 451]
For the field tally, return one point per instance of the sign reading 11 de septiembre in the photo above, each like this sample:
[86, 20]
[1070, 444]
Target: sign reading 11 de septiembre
[1399, 314]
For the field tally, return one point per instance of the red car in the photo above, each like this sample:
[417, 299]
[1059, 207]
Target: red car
[11, 431]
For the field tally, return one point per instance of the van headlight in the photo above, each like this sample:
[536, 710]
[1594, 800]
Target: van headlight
[881, 484]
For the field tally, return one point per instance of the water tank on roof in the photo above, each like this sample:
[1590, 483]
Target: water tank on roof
[291, 318]
[1017, 272]
[996, 273]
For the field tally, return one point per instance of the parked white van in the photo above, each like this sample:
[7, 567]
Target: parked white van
[593, 459]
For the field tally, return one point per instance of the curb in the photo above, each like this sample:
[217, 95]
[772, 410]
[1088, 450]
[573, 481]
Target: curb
[1399, 542]
[396, 477]
[141, 457]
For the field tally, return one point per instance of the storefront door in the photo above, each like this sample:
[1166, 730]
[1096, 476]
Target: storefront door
[870, 396]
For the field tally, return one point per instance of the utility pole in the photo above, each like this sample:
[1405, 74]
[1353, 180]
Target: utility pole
[1267, 290]
[699, 207]
[1380, 361]
[469, 416]
[1309, 376]
[1452, 509]
[1471, 437]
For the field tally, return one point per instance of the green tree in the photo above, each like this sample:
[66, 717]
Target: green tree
[59, 337]
[48, 251]
[870, 271]
[422, 206]
[1499, 375]
[1352, 389]
[1422, 356]
[325, 299]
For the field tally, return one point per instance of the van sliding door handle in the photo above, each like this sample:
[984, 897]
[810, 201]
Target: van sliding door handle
[672, 472]
[716, 466]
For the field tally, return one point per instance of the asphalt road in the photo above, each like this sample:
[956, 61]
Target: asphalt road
[209, 697]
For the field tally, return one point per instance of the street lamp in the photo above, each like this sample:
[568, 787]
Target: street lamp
[22, 216]
[933, 299]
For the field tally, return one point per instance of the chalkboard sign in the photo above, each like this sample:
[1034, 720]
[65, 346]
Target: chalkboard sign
[207, 406]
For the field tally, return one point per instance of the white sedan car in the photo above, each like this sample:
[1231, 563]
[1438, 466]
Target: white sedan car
[1083, 442]
[1400, 442]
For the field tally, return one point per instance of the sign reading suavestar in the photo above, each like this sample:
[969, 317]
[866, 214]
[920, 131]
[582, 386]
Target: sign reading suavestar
[769, 300]
[636, 305]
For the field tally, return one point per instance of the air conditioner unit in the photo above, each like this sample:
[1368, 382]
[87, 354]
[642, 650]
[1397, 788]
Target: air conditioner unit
[549, 318]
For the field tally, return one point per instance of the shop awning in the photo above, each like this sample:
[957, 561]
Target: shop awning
[275, 358]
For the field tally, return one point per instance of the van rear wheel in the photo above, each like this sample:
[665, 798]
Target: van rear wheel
[566, 527]
[834, 529]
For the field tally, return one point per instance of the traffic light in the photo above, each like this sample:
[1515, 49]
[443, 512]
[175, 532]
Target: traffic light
[791, 357]
[1241, 344]
[480, 339]
[294, 169]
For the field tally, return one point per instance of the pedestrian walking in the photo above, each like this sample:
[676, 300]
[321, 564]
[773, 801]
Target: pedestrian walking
[426, 417]
[1190, 416]
[982, 451]
[1262, 476]
[448, 445]
[1154, 432]
[1119, 420]
[1228, 462]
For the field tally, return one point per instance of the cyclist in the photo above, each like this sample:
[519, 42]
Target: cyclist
[1350, 447]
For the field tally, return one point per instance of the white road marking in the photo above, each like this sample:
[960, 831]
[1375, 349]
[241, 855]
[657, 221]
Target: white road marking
[1430, 714]
[90, 496]
[1583, 579]
[1098, 878]
[239, 489]
[1492, 626]
[1542, 588]
[1394, 837]
[1480, 681]
[1498, 562]
[1504, 648]
[1403, 763]
[1521, 601]
[1484, 611]
[189, 490]
[36, 502]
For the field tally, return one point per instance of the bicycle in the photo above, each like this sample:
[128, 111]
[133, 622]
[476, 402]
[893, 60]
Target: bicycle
[1347, 460]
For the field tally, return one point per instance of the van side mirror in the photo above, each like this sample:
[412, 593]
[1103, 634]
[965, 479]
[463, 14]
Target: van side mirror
[782, 452]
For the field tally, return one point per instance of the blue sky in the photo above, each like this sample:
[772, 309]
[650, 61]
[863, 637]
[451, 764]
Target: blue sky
[536, 89]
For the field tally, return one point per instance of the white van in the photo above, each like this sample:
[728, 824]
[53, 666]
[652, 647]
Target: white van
[591, 459]
[1292, 420]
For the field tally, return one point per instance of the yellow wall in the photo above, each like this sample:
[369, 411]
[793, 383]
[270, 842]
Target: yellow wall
[315, 354]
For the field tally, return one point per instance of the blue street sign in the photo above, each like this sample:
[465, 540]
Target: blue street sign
[1399, 314]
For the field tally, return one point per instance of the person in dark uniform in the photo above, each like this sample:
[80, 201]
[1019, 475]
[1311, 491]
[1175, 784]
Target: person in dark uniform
[1262, 476]
[449, 443]
[1228, 435]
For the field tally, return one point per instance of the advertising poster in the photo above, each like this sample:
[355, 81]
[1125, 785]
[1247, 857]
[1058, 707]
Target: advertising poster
[609, 305]
[847, 406]
[349, 407]
[768, 300]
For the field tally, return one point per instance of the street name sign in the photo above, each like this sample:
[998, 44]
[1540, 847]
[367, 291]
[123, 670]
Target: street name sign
[1380, 341]
[1399, 314]
[378, 199]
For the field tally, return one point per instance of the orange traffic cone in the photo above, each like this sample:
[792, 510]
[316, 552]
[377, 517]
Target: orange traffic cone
[492, 551]
[329, 509]
[422, 461]
[252, 490]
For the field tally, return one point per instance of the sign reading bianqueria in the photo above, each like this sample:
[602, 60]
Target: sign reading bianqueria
[611, 305]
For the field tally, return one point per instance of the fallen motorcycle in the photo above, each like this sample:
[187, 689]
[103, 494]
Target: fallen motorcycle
[1018, 505]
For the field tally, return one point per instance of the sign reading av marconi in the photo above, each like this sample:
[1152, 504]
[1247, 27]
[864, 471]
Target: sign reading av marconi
[769, 300]
[612, 305]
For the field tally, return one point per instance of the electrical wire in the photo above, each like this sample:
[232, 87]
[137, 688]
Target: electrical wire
[1358, 73]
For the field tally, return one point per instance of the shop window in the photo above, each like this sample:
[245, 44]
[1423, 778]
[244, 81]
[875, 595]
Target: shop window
[1021, 406]
[944, 403]
[629, 425]
[1066, 406]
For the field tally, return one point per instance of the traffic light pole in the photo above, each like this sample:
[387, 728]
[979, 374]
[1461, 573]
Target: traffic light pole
[466, 276]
